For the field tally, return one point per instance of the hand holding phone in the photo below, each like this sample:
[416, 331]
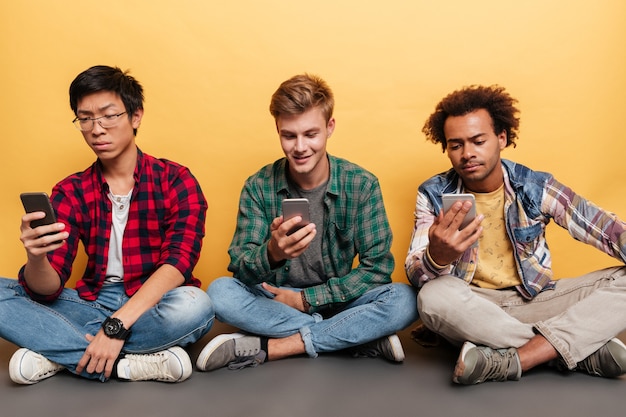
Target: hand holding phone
[39, 201]
[293, 207]
[450, 199]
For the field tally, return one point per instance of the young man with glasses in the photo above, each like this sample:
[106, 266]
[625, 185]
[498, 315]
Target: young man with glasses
[141, 222]
[297, 292]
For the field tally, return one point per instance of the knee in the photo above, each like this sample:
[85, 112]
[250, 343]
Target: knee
[435, 297]
[401, 303]
[183, 303]
[407, 300]
[197, 302]
[222, 293]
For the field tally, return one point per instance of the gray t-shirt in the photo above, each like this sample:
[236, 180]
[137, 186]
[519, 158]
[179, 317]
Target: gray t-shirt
[308, 269]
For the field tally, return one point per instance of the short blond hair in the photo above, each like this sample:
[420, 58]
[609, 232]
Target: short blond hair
[301, 93]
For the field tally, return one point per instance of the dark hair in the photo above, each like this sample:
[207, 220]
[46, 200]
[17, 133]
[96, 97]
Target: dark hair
[301, 93]
[105, 78]
[499, 104]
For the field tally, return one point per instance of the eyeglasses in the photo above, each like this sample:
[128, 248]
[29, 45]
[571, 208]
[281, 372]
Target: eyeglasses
[86, 124]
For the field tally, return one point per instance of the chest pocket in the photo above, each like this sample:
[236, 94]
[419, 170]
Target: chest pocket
[527, 238]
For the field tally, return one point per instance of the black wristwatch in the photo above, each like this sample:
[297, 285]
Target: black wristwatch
[114, 328]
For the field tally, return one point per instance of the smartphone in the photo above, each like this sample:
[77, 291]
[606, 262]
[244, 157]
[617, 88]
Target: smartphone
[296, 207]
[38, 202]
[450, 199]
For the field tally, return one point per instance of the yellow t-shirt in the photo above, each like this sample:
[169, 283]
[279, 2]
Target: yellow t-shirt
[496, 267]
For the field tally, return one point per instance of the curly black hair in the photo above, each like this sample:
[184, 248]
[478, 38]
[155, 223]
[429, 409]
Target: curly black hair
[499, 104]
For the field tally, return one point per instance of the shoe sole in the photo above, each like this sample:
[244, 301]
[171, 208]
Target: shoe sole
[396, 348]
[459, 368]
[216, 342]
[618, 350]
[15, 364]
[184, 361]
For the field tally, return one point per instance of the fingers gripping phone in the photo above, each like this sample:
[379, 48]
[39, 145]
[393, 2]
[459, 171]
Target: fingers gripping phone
[39, 202]
[296, 207]
[450, 199]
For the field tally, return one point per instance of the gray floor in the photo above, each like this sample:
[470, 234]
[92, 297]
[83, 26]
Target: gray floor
[331, 385]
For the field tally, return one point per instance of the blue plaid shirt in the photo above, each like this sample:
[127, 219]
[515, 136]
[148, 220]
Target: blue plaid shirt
[532, 199]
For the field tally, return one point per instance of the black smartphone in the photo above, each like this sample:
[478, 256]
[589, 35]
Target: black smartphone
[296, 207]
[38, 202]
[450, 199]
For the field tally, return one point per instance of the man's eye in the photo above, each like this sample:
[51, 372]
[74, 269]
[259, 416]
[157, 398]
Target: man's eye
[110, 116]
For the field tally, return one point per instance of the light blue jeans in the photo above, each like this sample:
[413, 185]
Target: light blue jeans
[379, 312]
[57, 329]
[577, 317]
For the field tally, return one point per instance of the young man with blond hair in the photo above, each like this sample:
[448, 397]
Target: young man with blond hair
[298, 293]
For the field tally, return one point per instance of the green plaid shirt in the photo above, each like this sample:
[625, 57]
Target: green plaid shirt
[355, 224]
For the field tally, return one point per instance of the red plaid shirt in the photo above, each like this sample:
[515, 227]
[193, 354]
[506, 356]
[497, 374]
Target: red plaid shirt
[165, 225]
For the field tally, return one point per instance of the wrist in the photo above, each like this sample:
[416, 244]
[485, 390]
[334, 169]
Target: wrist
[433, 262]
[305, 304]
[114, 329]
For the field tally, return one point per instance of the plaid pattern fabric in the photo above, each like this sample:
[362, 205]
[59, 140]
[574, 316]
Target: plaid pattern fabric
[165, 225]
[532, 200]
[355, 224]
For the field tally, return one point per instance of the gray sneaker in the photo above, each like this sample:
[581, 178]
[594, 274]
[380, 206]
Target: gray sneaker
[388, 347]
[170, 365]
[233, 350]
[27, 367]
[478, 364]
[609, 361]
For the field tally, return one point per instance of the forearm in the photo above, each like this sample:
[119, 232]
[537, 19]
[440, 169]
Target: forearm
[164, 279]
[40, 277]
[418, 267]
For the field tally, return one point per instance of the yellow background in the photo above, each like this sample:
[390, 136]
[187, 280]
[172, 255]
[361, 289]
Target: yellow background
[209, 68]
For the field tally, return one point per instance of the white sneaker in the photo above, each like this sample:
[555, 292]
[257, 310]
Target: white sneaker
[28, 367]
[170, 365]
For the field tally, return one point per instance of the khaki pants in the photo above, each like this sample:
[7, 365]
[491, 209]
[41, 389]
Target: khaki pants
[577, 317]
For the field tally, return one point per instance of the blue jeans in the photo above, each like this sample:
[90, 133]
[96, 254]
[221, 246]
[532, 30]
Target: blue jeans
[379, 312]
[57, 329]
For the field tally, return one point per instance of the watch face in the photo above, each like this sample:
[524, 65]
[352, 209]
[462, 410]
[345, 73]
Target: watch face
[112, 326]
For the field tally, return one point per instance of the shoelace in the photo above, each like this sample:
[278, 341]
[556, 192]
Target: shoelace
[591, 364]
[248, 361]
[148, 366]
[497, 365]
[46, 367]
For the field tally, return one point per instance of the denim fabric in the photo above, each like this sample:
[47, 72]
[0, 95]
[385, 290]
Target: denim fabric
[381, 311]
[57, 329]
[577, 317]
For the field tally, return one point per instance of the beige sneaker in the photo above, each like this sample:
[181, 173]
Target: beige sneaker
[169, 365]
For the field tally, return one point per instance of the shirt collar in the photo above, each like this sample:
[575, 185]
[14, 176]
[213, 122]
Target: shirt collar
[99, 176]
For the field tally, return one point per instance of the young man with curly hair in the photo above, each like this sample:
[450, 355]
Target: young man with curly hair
[489, 286]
